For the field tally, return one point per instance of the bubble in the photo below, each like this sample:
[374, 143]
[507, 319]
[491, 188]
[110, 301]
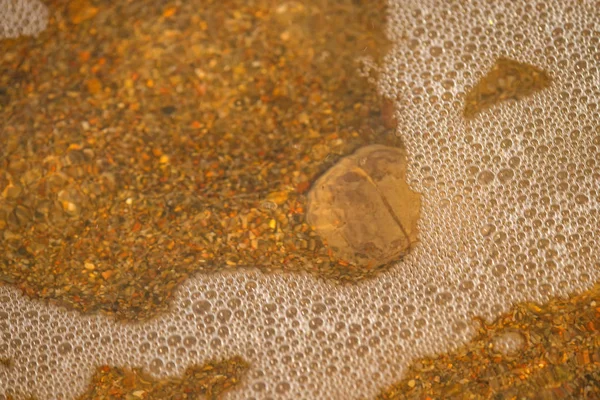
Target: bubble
[362, 351]
[581, 199]
[319, 308]
[352, 342]
[505, 175]
[508, 343]
[282, 387]
[315, 323]
[223, 316]
[64, 348]
[270, 308]
[156, 365]
[409, 309]
[174, 340]
[201, 307]
[291, 312]
[485, 177]
[144, 347]
[487, 230]
[444, 298]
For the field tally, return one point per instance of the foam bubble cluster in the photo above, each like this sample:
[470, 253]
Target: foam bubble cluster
[508, 343]
[509, 213]
[22, 17]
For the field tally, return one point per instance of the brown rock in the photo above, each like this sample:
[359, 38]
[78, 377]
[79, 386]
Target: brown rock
[508, 79]
[80, 11]
[364, 208]
[93, 86]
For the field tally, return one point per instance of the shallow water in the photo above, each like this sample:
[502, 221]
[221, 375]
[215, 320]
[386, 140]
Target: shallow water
[510, 208]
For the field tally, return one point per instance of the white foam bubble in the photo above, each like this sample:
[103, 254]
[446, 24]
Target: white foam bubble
[22, 18]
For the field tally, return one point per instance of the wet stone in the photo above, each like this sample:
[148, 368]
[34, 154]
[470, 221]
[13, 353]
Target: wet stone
[22, 214]
[168, 110]
[364, 208]
[74, 157]
[11, 192]
[507, 80]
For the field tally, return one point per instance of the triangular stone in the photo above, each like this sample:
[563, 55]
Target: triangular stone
[508, 79]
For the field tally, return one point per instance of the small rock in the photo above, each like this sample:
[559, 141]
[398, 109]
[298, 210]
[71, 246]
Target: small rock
[93, 86]
[11, 191]
[107, 274]
[278, 197]
[80, 11]
[168, 110]
[508, 79]
[364, 208]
